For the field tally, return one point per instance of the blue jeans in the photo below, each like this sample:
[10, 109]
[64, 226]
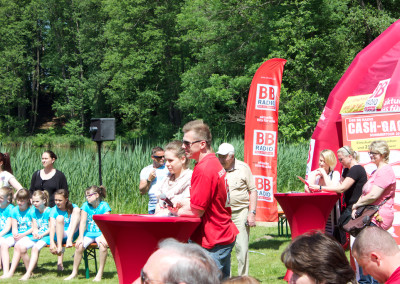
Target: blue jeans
[222, 257]
[152, 211]
[365, 279]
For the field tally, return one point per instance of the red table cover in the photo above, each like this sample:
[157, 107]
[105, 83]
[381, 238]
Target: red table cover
[306, 212]
[133, 238]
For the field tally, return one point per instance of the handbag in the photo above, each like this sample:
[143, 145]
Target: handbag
[338, 233]
[364, 215]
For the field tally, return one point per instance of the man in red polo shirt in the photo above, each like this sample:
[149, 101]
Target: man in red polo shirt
[378, 255]
[209, 198]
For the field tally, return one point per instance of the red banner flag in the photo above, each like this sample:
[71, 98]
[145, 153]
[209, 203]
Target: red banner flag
[261, 135]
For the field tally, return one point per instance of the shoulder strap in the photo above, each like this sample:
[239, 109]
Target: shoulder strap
[384, 201]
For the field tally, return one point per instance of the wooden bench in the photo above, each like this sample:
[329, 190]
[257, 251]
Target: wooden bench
[88, 254]
[282, 220]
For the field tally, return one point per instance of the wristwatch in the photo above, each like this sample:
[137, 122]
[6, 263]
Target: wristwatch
[254, 212]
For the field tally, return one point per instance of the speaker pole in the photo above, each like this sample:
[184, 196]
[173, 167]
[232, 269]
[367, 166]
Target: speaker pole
[99, 151]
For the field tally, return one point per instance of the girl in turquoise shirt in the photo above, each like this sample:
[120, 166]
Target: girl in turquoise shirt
[21, 231]
[40, 234]
[89, 232]
[6, 195]
[64, 220]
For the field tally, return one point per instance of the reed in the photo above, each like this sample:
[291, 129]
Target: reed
[121, 166]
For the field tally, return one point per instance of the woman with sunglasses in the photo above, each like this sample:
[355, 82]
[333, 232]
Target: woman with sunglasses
[353, 179]
[48, 178]
[378, 190]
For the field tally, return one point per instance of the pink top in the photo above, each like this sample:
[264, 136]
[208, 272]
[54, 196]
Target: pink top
[384, 178]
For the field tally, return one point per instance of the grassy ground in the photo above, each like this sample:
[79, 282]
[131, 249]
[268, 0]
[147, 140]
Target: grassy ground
[265, 250]
[46, 271]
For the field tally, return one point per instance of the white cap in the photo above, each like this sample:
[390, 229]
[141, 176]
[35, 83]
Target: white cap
[225, 148]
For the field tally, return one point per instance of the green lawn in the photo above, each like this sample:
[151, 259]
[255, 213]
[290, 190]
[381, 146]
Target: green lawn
[265, 254]
[46, 271]
[265, 246]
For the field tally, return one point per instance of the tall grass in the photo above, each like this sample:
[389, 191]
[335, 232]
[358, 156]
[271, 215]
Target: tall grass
[121, 166]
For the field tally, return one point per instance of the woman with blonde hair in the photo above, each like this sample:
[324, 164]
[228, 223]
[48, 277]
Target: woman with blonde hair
[325, 174]
[378, 190]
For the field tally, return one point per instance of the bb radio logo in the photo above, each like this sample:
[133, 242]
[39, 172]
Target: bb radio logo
[264, 143]
[265, 188]
[266, 97]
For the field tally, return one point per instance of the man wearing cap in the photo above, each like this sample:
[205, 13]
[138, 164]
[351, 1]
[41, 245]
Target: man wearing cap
[243, 196]
[152, 176]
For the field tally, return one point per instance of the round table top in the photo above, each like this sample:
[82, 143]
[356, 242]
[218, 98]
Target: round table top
[306, 194]
[145, 218]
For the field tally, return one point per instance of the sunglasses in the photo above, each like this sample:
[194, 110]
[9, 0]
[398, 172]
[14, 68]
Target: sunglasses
[189, 144]
[373, 153]
[89, 195]
[158, 157]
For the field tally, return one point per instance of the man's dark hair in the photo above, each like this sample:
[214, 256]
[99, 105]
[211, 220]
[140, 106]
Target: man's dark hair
[320, 257]
[155, 150]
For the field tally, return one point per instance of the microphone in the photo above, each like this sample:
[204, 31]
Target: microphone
[164, 198]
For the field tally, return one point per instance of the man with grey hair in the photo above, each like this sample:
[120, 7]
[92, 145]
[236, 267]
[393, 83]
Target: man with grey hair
[176, 262]
[243, 196]
[378, 255]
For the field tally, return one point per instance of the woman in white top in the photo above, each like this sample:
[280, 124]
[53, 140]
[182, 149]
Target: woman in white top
[6, 176]
[176, 186]
[325, 175]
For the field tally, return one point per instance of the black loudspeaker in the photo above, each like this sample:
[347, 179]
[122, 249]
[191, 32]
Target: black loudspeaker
[102, 129]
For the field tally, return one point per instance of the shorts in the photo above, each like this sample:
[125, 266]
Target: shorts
[9, 241]
[88, 240]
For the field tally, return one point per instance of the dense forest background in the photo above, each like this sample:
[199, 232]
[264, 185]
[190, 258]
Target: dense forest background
[154, 65]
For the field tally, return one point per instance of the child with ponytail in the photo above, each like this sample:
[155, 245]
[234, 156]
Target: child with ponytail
[64, 220]
[89, 232]
[40, 234]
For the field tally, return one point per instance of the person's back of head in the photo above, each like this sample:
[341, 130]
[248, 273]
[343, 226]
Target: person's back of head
[375, 239]
[195, 265]
[319, 257]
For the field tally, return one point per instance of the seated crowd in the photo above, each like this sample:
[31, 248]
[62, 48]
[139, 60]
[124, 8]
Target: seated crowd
[33, 224]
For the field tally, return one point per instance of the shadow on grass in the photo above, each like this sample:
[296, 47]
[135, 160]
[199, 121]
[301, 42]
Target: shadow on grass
[51, 267]
[273, 242]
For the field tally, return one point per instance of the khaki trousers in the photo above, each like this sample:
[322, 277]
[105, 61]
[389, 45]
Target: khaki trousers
[239, 218]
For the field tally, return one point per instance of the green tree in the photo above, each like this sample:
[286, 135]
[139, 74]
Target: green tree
[230, 39]
[143, 62]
